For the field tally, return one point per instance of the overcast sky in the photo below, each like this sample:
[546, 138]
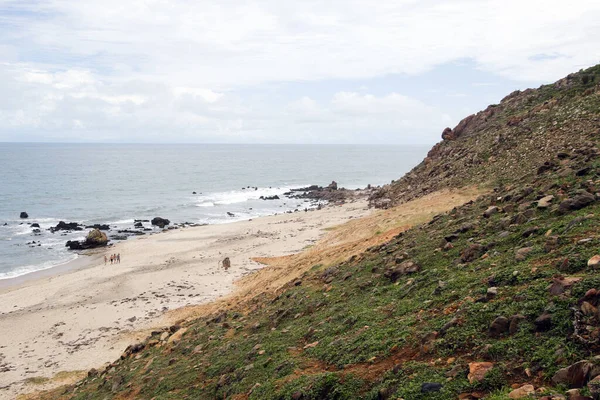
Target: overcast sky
[276, 71]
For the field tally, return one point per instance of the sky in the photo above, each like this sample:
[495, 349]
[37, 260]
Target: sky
[276, 71]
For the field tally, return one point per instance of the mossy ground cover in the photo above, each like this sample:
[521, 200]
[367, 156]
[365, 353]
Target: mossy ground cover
[348, 331]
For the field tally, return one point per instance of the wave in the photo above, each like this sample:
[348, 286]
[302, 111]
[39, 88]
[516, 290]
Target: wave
[238, 196]
[28, 269]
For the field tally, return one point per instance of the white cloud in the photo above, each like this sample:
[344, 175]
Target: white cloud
[199, 69]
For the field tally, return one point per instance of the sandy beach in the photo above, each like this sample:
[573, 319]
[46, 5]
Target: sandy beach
[78, 318]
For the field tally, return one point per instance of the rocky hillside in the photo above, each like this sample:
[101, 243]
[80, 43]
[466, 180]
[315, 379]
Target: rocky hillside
[508, 141]
[497, 299]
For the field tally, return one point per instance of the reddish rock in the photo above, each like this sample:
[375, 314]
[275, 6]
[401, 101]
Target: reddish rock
[478, 370]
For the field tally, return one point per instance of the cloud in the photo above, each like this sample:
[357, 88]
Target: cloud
[205, 70]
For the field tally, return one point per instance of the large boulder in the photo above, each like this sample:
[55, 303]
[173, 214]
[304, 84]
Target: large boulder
[160, 222]
[24, 215]
[96, 238]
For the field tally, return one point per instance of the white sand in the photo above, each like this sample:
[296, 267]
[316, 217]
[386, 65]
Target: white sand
[81, 319]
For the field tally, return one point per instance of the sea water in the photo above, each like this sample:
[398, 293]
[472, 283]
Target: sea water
[117, 183]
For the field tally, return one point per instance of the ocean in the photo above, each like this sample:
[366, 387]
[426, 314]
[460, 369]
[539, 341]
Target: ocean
[117, 183]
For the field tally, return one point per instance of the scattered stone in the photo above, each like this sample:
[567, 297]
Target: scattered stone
[478, 370]
[523, 391]
[491, 211]
[522, 253]
[561, 283]
[545, 202]
[429, 387]
[405, 268]
[24, 215]
[471, 253]
[594, 262]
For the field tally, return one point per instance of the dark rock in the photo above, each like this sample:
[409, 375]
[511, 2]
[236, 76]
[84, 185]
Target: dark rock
[431, 387]
[230, 214]
[160, 222]
[581, 200]
[333, 186]
[24, 215]
[275, 197]
[102, 227]
[447, 134]
[499, 327]
[543, 322]
[138, 225]
[64, 226]
[35, 225]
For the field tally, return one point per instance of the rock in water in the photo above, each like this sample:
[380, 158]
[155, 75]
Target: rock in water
[160, 222]
[24, 215]
[96, 238]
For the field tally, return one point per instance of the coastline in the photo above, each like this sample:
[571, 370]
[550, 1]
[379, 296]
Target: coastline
[81, 314]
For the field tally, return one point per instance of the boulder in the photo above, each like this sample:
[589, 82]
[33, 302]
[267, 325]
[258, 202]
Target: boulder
[96, 238]
[333, 186]
[160, 222]
[24, 215]
[575, 375]
[478, 370]
[577, 202]
[447, 134]
[35, 225]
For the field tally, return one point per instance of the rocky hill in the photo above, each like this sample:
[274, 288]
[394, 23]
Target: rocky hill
[508, 142]
[497, 298]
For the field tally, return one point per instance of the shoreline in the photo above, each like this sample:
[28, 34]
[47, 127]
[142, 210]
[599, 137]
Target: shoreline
[82, 314]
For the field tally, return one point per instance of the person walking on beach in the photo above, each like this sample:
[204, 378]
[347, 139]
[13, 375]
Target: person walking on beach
[105, 259]
[111, 259]
[119, 258]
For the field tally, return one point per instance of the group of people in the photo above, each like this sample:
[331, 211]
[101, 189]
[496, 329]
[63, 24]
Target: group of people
[114, 259]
